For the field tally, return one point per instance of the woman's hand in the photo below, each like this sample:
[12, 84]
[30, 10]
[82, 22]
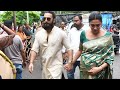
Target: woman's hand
[94, 70]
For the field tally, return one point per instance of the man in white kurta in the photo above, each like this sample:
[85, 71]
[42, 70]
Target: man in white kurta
[50, 52]
[49, 42]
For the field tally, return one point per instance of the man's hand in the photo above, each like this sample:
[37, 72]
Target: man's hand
[68, 66]
[30, 67]
[24, 64]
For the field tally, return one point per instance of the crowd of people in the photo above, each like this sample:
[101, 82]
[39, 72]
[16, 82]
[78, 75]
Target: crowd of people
[15, 48]
[88, 47]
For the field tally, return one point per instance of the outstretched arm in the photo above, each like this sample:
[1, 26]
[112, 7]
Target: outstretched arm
[6, 29]
[32, 58]
[6, 41]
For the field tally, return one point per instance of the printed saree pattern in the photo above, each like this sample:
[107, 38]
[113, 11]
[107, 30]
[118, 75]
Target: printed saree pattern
[95, 53]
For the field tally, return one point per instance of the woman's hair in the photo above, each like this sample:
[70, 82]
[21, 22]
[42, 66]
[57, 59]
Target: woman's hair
[19, 27]
[95, 15]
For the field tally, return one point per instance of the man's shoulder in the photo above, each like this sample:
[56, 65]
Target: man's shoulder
[73, 29]
[85, 27]
[57, 29]
[17, 36]
[39, 30]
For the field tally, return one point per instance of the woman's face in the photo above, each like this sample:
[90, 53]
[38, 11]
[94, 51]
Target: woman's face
[95, 26]
[20, 29]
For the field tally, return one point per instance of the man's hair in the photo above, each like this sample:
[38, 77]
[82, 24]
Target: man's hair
[79, 16]
[51, 12]
[8, 23]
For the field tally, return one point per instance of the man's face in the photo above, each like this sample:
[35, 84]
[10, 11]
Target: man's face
[76, 21]
[62, 25]
[48, 21]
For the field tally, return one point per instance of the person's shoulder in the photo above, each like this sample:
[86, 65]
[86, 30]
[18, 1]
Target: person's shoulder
[39, 28]
[83, 32]
[39, 31]
[85, 27]
[17, 37]
[3, 35]
[57, 29]
[72, 29]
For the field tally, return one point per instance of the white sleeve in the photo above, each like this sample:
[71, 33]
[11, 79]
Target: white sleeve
[35, 46]
[66, 41]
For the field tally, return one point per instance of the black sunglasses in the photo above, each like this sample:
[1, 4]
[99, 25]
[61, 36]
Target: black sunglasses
[93, 25]
[48, 19]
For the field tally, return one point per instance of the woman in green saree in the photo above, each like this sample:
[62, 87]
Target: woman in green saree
[96, 51]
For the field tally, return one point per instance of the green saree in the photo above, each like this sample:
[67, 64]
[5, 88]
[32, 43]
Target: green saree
[94, 53]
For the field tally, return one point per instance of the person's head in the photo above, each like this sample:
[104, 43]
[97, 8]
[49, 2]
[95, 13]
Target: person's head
[27, 25]
[8, 23]
[20, 28]
[48, 20]
[95, 22]
[62, 25]
[77, 21]
[34, 27]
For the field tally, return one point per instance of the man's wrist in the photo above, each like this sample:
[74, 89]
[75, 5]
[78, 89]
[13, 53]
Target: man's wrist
[31, 62]
[71, 62]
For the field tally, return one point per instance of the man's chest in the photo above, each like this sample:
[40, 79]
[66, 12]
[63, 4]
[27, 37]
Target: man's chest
[50, 40]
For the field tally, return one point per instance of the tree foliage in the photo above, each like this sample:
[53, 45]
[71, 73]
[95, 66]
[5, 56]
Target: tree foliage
[21, 16]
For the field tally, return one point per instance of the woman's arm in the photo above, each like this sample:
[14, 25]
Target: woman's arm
[95, 70]
[7, 30]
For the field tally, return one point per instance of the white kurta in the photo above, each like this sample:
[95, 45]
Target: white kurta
[50, 52]
[74, 38]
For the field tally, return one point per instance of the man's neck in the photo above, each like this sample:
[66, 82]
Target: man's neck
[80, 26]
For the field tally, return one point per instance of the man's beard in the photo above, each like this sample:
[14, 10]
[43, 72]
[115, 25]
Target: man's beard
[48, 26]
[77, 26]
